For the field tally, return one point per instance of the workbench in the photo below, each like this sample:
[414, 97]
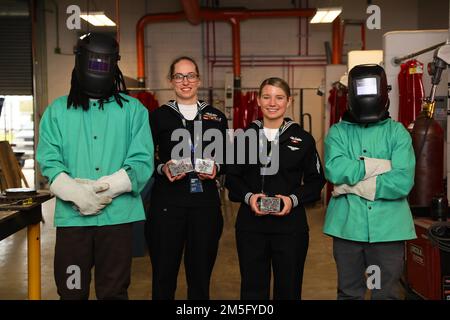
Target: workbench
[16, 215]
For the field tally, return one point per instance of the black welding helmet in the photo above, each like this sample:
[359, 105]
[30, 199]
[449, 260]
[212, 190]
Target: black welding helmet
[96, 57]
[368, 99]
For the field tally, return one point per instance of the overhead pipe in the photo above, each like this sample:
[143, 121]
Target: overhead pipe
[140, 28]
[250, 65]
[234, 16]
[252, 60]
[338, 37]
[307, 32]
[275, 56]
[236, 48]
[336, 57]
[192, 10]
[280, 13]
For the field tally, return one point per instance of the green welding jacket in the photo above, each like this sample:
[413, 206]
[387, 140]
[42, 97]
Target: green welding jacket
[388, 217]
[95, 143]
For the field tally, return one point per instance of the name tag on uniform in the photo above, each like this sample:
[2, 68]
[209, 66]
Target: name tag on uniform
[196, 185]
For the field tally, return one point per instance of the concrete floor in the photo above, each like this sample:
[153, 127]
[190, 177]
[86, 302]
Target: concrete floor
[319, 276]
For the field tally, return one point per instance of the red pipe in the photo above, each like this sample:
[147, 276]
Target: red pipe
[272, 65]
[307, 32]
[336, 34]
[272, 60]
[209, 15]
[281, 13]
[192, 10]
[342, 35]
[140, 27]
[235, 31]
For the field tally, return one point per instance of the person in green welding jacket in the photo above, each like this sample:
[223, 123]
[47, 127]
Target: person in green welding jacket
[370, 160]
[96, 149]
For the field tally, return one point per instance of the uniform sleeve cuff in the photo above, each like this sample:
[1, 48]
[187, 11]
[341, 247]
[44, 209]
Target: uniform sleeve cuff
[247, 198]
[159, 169]
[294, 200]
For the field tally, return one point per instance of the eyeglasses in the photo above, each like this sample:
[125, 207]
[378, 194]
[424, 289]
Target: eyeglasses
[179, 77]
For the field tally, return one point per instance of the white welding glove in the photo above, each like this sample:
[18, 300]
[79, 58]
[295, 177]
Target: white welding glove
[84, 196]
[375, 167]
[365, 189]
[118, 182]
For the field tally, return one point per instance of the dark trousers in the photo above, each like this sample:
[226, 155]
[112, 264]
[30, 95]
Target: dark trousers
[284, 253]
[78, 249]
[171, 229]
[352, 260]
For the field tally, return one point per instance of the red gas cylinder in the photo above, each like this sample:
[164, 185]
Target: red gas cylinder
[428, 143]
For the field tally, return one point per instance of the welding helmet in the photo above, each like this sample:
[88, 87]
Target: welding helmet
[96, 57]
[368, 99]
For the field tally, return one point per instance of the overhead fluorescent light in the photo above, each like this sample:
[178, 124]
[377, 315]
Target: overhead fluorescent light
[326, 15]
[98, 19]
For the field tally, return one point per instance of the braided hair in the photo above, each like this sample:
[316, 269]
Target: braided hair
[77, 98]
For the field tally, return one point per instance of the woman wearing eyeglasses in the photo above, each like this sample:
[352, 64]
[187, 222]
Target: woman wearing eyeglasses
[185, 210]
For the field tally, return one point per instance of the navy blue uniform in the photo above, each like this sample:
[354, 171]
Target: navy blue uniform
[279, 242]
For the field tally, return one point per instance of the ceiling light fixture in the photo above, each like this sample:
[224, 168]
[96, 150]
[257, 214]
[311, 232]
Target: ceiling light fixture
[326, 15]
[98, 19]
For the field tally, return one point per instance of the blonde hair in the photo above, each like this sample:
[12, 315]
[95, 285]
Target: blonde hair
[276, 82]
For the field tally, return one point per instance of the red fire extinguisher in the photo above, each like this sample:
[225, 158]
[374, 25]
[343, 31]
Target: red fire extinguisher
[411, 91]
[428, 143]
